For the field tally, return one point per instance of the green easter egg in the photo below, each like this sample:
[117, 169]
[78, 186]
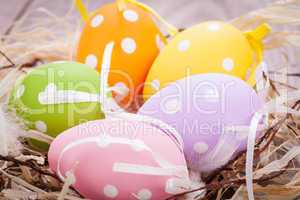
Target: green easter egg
[55, 97]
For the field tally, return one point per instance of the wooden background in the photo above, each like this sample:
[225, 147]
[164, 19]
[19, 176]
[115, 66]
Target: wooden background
[179, 12]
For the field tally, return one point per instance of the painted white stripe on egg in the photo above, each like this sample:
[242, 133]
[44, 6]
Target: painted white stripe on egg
[143, 169]
[51, 95]
[105, 140]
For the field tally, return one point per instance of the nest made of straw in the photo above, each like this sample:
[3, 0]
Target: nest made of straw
[24, 173]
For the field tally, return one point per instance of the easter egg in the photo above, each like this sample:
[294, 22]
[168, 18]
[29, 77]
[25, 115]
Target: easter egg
[56, 96]
[212, 113]
[209, 47]
[136, 43]
[118, 158]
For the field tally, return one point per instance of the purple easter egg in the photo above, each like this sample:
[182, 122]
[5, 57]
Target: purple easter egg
[211, 112]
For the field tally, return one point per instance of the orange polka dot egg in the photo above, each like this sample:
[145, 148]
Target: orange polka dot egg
[209, 47]
[129, 39]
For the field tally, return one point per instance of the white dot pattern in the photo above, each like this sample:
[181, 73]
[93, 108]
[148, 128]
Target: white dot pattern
[110, 191]
[183, 45]
[128, 45]
[20, 91]
[130, 15]
[214, 27]
[228, 64]
[91, 60]
[97, 21]
[41, 126]
[144, 194]
[200, 147]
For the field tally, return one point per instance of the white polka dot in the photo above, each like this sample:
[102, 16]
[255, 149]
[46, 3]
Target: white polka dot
[20, 91]
[130, 15]
[41, 126]
[213, 27]
[159, 43]
[91, 60]
[200, 147]
[97, 21]
[183, 45]
[144, 194]
[110, 191]
[155, 84]
[172, 106]
[128, 45]
[228, 64]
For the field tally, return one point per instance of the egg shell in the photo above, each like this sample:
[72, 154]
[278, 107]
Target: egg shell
[209, 47]
[201, 108]
[137, 41]
[93, 150]
[33, 93]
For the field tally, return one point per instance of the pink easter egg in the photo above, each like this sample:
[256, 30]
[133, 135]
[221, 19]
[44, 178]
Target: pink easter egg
[120, 159]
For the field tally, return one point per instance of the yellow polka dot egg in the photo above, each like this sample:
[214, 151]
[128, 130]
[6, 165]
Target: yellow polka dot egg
[127, 40]
[209, 47]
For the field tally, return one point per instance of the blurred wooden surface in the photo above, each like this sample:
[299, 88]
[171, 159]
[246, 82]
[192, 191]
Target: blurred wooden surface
[182, 13]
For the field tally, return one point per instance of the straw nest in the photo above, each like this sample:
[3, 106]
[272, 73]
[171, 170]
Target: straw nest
[24, 172]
